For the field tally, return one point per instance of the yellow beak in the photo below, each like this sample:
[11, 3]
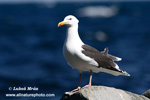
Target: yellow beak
[61, 23]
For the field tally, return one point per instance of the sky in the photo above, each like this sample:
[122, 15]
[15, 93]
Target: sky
[40, 1]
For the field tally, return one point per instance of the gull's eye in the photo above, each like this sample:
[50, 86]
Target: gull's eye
[70, 18]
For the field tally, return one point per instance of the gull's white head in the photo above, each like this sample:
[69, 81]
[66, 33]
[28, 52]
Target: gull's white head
[69, 20]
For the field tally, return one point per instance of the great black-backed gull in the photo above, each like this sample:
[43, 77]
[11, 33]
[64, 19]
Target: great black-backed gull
[84, 57]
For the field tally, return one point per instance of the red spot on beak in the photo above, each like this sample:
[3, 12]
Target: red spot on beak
[60, 25]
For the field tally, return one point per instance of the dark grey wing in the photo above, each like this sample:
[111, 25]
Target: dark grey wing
[114, 58]
[105, 52]
[110, 56]
[102, 58]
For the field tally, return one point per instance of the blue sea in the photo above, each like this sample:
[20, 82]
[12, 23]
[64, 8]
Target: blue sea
[31, 46]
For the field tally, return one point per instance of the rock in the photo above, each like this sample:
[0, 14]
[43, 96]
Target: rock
[102, 93]
[147, 94]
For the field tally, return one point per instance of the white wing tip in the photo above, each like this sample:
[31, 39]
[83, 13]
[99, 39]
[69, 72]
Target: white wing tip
[119, 59]
[125, 73]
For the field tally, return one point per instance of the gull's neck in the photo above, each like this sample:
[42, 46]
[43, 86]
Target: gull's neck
[72, 35]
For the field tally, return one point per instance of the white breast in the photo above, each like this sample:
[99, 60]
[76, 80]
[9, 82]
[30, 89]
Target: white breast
[73, 54]
[72, 51]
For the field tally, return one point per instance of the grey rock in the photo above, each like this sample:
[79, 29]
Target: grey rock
[102, 93]
[147, 94]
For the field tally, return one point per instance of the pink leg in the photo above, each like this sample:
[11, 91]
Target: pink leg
[86, 86]
[78, 88]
